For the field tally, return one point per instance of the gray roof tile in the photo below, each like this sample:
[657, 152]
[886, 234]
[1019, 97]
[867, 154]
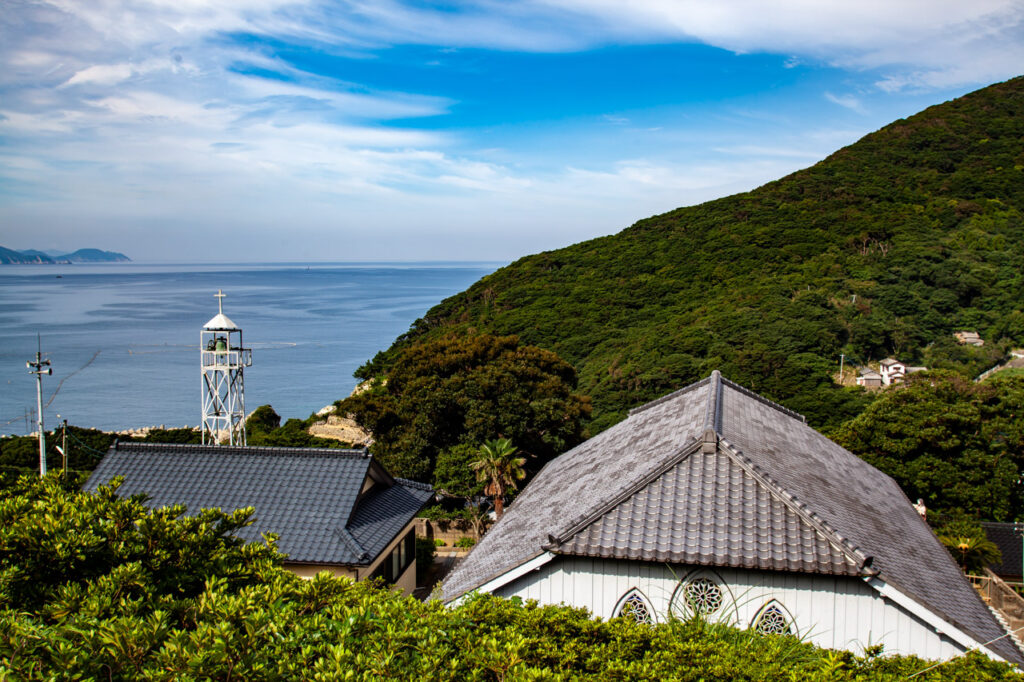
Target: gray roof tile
[308, 497]
[732, 521]
[768, 492]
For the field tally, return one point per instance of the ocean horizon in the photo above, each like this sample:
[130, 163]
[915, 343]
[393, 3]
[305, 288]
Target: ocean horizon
[123, 338]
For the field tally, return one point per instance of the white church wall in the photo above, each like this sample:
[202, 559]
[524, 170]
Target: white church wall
[836, 612]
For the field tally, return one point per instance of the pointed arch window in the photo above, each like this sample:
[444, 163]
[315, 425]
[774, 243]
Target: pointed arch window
[773, 619]
[634, 605]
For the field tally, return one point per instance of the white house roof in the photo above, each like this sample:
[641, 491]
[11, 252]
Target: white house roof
[220, 322]
[889, 362]
[869, 373]
[717, 475]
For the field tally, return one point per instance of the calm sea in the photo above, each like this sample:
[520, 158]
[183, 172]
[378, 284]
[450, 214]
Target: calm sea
[124, 338]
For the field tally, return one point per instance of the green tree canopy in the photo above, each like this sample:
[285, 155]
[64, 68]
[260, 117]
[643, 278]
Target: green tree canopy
[453, 474]
[263, 420]
[957, 444]
[465, 389]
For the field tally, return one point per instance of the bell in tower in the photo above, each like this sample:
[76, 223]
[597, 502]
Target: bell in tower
[223, 360]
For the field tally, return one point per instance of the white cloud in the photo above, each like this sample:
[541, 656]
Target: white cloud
[850, 102]
[118, 114]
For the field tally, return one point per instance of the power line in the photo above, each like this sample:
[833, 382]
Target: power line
[57, 390]
[28, 413]
[90, 450]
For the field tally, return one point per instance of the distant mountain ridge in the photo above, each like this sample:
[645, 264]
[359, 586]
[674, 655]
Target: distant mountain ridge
[886, 247]
[10, 256]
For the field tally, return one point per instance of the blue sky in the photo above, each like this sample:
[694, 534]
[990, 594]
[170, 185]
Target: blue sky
[258, 130]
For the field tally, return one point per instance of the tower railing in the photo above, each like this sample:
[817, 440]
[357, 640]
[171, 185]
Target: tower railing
[227, 359]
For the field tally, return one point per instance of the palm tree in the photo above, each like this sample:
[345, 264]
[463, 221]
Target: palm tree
[500, 469]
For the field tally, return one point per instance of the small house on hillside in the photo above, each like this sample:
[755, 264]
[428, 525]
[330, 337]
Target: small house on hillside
[716, 501]
[869, 378]
[335, 510]
[892, 371]
[969, 338]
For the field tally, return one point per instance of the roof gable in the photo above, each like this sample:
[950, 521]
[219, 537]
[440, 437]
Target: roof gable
[309, 497]
[712, 510]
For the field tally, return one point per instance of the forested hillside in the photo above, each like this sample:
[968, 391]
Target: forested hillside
[886, 247]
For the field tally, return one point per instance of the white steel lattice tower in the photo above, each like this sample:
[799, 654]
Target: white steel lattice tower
[223, 360]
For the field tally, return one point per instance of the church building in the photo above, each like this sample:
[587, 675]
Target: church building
[717, 502]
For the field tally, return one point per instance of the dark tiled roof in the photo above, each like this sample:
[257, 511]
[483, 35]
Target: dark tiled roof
[373, 523]
[1007, 538]
[308, 497]
[715, 474]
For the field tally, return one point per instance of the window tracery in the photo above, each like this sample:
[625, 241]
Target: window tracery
[703, 596]
[772, 621]
[635, 606]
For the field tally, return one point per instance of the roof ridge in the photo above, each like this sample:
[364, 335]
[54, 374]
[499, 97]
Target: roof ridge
[713, 409]
[857, 557]
[264, 450]
[670, 396]
[409, 483]
[577, 524]
[350, 540]
[761, 399]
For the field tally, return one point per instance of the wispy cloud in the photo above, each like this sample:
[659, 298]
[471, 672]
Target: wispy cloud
[850, 102]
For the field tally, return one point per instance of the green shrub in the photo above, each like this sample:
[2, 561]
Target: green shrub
[95, 587]
[465, 543]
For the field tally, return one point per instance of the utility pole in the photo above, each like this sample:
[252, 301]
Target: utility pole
[39, 368]
[842, 357]
[64, 448]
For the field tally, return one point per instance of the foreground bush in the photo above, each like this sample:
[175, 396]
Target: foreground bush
[95, 587]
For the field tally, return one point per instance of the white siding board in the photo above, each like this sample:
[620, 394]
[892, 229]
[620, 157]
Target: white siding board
[830, 611]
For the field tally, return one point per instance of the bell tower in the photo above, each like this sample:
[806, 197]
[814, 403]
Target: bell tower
[223, 360]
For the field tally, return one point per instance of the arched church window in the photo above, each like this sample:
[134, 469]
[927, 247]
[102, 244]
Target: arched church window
[773, 620]
[634, 606]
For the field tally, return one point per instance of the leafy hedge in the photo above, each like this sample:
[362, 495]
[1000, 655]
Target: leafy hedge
[97, 587]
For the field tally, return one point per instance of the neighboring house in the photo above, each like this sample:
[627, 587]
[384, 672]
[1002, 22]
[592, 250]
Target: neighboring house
[968, 338]
[869, 378]
[717, 501]
[335, 510]
[1007, 537]
[892, 371]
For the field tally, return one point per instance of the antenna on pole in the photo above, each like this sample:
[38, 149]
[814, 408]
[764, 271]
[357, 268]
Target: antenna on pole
[39, 368]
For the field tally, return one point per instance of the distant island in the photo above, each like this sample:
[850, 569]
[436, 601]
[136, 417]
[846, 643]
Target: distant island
[10, 256]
